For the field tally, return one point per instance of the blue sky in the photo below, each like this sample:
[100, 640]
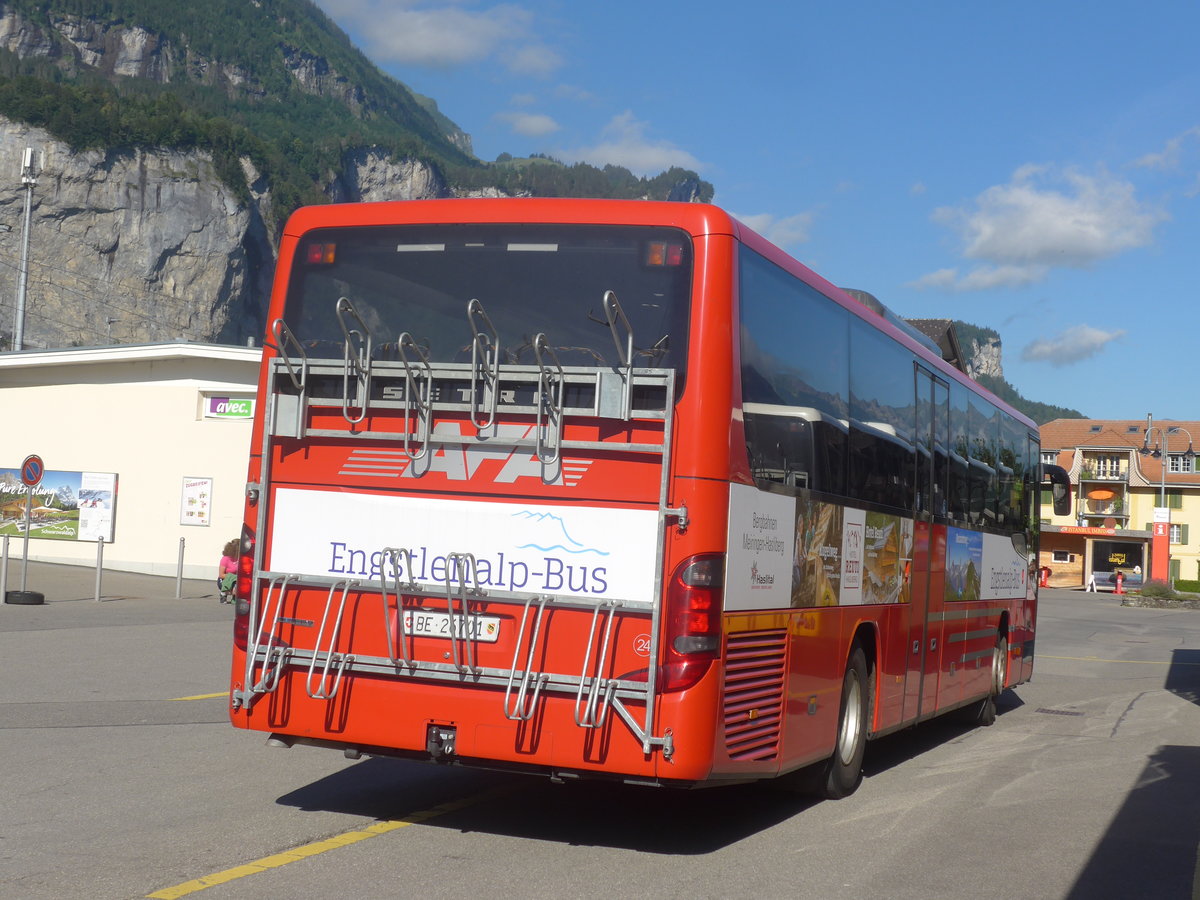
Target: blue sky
[1033, 167]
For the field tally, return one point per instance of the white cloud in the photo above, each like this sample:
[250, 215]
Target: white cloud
[784, 232]
[574, 93]
[529, 124]
[1169, 158]
[982, 278]
[532, 59]
[445, 35]
[624, 143]
[1077, 343]
[1042, 219]
[942, 279]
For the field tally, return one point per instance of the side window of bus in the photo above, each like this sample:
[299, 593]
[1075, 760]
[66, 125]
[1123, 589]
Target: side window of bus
[794, 385]
[882, 465]
[960, 494]
[983, 427]
[1012, 472]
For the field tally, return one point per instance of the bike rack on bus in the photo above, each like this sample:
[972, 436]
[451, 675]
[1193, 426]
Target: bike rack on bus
[485, 364]
[549, 403]
[284, 337]
[614, 315]
[278, 654]
[357, 357]
[325, 690]
[461, 635]
[431, 389]
[523, 707]
[400, 651]
[594, 712]
[420, 400]
[289, 408]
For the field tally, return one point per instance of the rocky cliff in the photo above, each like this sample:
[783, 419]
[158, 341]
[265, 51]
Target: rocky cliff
[127, 247]
[982, 351]
[149, 245]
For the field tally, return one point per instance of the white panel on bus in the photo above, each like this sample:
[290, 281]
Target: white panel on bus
[854, 553]
[577, 551]
[762, 538]
[1005, 571]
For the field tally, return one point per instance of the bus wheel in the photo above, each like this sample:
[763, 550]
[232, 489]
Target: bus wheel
[983, 712]
[843, 771]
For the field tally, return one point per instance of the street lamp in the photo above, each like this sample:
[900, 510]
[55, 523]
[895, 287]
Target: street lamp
[1160, 451]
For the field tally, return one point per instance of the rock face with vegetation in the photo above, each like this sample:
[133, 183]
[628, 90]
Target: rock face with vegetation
[135, 246]
[178, 137]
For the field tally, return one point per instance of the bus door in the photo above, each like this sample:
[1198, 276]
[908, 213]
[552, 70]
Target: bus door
[928, 570]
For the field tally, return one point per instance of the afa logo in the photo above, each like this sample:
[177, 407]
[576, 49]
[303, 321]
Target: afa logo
[456, 461]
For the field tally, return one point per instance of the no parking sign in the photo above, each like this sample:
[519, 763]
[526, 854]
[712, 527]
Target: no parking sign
[32, 470]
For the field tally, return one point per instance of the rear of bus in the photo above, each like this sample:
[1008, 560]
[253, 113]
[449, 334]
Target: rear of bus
[485, 516]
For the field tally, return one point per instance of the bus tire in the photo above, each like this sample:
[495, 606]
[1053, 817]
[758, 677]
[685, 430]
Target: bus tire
[843, 770]
[983, 712]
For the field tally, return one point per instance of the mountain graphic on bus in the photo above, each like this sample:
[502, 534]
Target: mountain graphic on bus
[549, 533]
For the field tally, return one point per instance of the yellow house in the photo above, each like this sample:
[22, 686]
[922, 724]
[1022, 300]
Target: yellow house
[1122, 471]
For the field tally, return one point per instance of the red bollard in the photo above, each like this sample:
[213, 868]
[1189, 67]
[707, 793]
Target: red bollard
[1044, 580]
[1120, 583]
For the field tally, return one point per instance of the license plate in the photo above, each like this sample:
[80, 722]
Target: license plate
[485, 629]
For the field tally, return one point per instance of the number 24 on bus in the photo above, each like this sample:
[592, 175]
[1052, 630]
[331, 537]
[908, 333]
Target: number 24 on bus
[617, 490]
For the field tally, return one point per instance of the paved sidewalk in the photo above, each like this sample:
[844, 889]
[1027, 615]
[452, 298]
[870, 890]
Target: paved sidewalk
[63, 582]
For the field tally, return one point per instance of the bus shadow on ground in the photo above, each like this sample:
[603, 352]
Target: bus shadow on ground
[901, 747]
[584, 813]
[591, 813]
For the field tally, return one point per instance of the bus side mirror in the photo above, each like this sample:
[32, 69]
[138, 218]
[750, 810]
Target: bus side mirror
[1060, 488]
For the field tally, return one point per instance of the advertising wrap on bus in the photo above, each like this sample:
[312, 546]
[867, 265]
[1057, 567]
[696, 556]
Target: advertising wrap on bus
[804, 552]
[579, 551]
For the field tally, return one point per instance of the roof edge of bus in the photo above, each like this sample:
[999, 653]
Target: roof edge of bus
[696, 218]
[789, 263]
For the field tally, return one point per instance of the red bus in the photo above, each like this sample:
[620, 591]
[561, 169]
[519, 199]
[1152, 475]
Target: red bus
[615, 489]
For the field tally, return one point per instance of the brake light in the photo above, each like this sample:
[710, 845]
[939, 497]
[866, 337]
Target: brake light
[245, 585]
[695, 599]
[321, 254]
[663, 254]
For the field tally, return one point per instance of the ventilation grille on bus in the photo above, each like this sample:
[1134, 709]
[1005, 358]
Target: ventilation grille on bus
[754, 694]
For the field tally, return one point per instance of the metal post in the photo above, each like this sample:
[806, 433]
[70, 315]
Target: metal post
[25, 549]
[4, 567]
[99, 564]
[28, 179]
[179, 572]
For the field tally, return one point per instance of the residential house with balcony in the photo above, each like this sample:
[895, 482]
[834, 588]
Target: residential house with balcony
[1120, 474]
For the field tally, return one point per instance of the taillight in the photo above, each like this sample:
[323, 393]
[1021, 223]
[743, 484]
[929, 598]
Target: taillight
[695, 597]
[245, 584]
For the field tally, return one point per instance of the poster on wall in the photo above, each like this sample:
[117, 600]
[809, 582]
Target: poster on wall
[64, 506]
[195, 505]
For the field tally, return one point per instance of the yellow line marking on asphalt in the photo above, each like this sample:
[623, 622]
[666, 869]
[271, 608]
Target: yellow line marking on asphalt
[304, 851]
[201, 696]
[1136, 662]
